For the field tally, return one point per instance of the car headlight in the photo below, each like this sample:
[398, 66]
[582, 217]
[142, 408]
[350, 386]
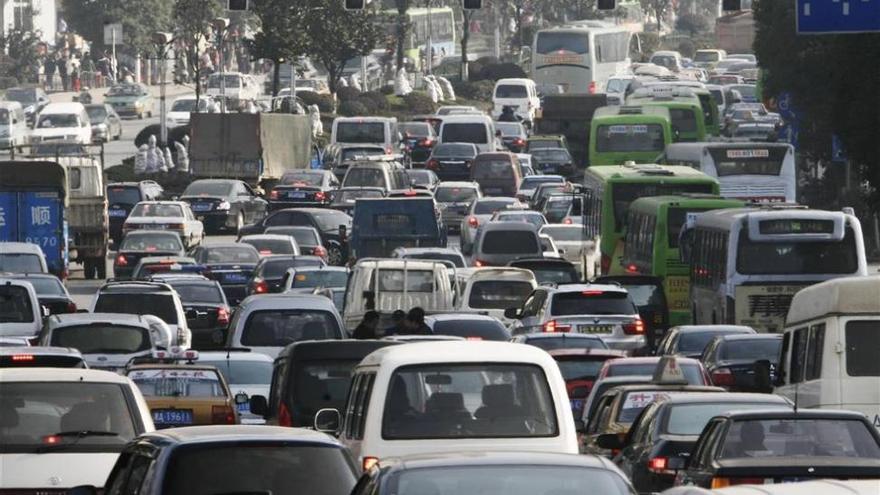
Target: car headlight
[224, 205]
[101, 127]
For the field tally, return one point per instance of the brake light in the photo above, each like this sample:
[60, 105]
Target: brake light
[553, 326]
[432, 164]
[71, 307]
[17, 358]
[273, 194]
[635, 328]
[426, 142]
[657, 464]
[320, 196]
[284, 416]
[319, 251]
[722, 377]
[518, 141]
[473, 222]
[606, 263]
[409, 192]
[51, 439]
[222, 316]
[725, 482]
[175, 226]
[222, 415]
[593, 292]
[369, 462]
[260, 286]
[265, 252]
[567, 221]
[479, 263]
[121, 261]
[631, 268]
[592, 88]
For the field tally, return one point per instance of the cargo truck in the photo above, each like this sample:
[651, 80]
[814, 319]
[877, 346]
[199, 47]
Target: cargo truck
[570, 115]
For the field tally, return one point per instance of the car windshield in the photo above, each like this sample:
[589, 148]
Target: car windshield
[230, 254]
[96, 113]
[464, 151]
[498, 294]
[103, 338]
[707, 56]
[242, 371]
[46, 286]
[564, 233]
[464, 400]
[331, 220]
[511, 91]
[208, 188]
[157, 210]
[360, 132]
[492, 169]
[461, 132]
[692, 371]
[365, 177]
[15, 305]
[230, 81]
[455, 194]
[787, 438]
[280, 327]
[178, 382]
[690, 419]
[20, 263]
[303, 178]
[276, 268]
[271, 467]
[591, 302]
[556, 273]
[24, 96]
[198, 292]
[415, 129]
[563, 342]
[630, 137]
[510, 242]
[152, 241]
[123, 195]
[45, 416]
[751, 350]
[271, 246]
[534, 479]
[550, 155]
[58, 120]
[319, 278]
[579, 369]
[510, 128]
[695, 342]
[321, 384]
[126, 90]
[134, 303]
[489, 207]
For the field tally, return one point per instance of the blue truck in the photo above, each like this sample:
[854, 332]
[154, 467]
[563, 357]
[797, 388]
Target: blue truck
[33, 209]
[381, 225]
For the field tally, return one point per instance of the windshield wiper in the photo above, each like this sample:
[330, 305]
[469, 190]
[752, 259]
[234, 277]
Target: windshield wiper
[79, 434]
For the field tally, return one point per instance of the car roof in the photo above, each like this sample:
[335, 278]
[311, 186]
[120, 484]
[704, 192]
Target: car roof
[266, 237]
[541, 261]
[507, 225]
[836, 414]
[234, 433]
[458, 352]
[733, 337]
[713, 328]
[652, 359]
[291, 300]
[321, 268]
[19, 247]
[557, 353]
[8, 375]
[456, 459]
[334, 349]
[234, 355]
[699, 397]
[503, 273]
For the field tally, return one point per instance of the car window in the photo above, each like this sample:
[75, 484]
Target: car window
[15, 304]
[690, 419]
[20, 263]
[592, 303]
[102, 338]
[280, 327]
[230, 254]
[157, 210]
[498, 294]
[161, 305]
[510, 242]
[786, 438]
[139, 241]
[693, 372]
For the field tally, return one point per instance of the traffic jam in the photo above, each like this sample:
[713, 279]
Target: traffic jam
[453, 304]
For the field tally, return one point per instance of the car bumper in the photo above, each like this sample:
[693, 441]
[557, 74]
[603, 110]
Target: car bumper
[280, 205]
[216, 219]
[628, 343]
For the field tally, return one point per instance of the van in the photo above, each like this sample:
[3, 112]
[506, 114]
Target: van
[500, 242]
[381, 225]
[830, 346]
[67, 122]
[14, 130]
[470, 128]
[381, 131]
[20, 309]
[454, 396]
[498, 174]
[492, 290]
[516, 92]
[385, 172]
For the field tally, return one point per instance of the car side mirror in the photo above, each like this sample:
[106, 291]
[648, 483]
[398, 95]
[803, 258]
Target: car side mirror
[676, 463]
[83, 490]
[328, 420]
[610, 441]
[258, 405]
[512, 313]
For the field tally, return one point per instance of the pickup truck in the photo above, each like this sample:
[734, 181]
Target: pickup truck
[33, 208]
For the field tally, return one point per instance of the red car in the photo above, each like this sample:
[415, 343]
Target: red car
[579, 368]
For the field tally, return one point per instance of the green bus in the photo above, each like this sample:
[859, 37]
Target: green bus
[685, 110]
[619, 134]
[609, 190]
[651, 244]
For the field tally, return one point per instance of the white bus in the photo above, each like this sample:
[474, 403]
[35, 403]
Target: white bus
[746, 170]
[746, 264]
[831, 344]
[580, 57]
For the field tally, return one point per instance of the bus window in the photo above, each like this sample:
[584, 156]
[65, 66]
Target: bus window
[549, 42]
[814, 257]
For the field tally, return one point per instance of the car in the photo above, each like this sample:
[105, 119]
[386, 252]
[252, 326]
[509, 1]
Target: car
[492, 290]
[152, 265]
[205, 306]
[553, 161]
[525, 164]
[51, 293]
[534, 218]
[732, 361]
[510, 472]
[529, 184]
[338, 157]
[545, 190]
[20, 309]
[32, 100]
[616, 88]
[550, 341]
[65, 427]
[307, 239]
[145, 298]
[230, 263]
[419, 139]
[313, 277]
[454, 199]
[672, 425]
[246, 373]
[451, 255]
[549, 270]
[106, 124]
[831, 487]
[423, 178]
[174, 216]
[183, 107]
[691, 340]
[452, 161]
[333, 226]
[513, 136]
[468, 325]
[122, 198]
[40, 357]
[254, 459]
[650, 298]
[270, 244]
[139, 244]
[563, 207]
[500, 242]
[22, 257]
[107, 341]
[541, 141]
[303, 188]
[574, 247]
[480, 211]
[223, 204]
[267, 323]
[268, 275]
[130, 99]
[580, 367]
[773, 446]
[497, 173]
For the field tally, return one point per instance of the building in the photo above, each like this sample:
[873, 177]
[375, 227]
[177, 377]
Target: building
[30, 15]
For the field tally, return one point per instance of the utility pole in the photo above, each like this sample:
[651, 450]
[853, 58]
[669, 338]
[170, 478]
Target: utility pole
[221, 24]
[429, 45]
[163, 42]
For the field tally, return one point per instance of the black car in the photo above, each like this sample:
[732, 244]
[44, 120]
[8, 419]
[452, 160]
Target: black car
[468, 325]
[231, 264]
[650, 298]
[121, 198]
[205, 306]
[333, 226]
[224, 205]
[303, 188]
[758, 447]
[691, 340]
[513, 136]
[344, 198]
[268, 276]
[733, 361]
[139, 244]
[423, 179]
[307, 239]
[32, 100]
[419, 139]
[670, 427]
[549, 270]
[51, 293]
[452, 161]
[304, 367]
[552, 161]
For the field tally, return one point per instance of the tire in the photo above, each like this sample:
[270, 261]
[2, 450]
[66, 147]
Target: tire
[140, 116]
[335, 256]
[101, 268]
[239, 223]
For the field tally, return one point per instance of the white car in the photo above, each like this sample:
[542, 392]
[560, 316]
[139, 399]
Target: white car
[494, 289]
[549, 247]
[575, 247]
[68, 122]
[175, 216]
[182, 107]
[65, 427]
[247, 373]
[146, 298]
[480, 212]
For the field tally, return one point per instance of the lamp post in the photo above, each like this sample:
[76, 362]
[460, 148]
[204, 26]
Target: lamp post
[163, 42]
[221, 24]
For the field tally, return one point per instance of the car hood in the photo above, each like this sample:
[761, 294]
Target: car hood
[56, 470]
[123, 99]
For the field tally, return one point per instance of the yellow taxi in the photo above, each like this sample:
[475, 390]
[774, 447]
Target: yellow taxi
[180, 392]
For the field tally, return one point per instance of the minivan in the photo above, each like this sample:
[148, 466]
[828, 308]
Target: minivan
[453, 396]
[469, 128]
[14, 130]
[517, 92]
[381, 131]
[498, 174]
[498, 243]
[67, 122]
[383, 172]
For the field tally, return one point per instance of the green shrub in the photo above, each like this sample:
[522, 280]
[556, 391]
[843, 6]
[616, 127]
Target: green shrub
[324, 102]
[347, 93]
[474, 90]
[369, 105]
[378, 99]
[419, 103]
[494, 72]
[388, 89]
[352, 108]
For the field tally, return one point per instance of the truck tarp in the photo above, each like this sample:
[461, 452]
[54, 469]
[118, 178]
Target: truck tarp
[382, 225]
[570, 115]
[252, 147]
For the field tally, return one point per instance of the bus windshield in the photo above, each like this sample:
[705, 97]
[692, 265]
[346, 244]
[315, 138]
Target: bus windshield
[790, 258]
[549, 42]
[744, 161]
[640, 137]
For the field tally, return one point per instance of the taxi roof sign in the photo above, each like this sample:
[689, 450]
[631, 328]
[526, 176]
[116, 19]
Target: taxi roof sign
[669, 372]
[176, 354]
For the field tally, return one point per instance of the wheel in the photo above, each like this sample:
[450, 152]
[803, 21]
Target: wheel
[150, 114]
[88, 269]
[239, 222]
[335, 256]
[101, 266]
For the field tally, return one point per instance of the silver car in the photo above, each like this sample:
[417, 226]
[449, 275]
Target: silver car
[480, 213]
[454, 200]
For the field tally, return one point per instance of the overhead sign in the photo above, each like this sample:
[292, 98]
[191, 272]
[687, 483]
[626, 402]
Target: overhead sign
[837, 16]
[113, 34]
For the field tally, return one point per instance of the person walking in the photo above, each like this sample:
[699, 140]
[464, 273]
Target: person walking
[62, 72]
[49, 69]
[367, 327]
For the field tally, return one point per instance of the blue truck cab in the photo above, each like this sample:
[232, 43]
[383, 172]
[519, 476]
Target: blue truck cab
[382, 225]
[33, 209]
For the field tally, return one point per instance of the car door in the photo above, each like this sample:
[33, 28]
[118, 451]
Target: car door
[698, 470]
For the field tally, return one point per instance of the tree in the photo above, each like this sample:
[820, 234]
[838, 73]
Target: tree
[282, 34]
[139, 20]
[692, 24]
[20, 59]
[403, 27]
[658, 8]
[466, 17]
[193, 21]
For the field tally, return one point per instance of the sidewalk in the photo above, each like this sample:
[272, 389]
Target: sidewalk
[171, 91]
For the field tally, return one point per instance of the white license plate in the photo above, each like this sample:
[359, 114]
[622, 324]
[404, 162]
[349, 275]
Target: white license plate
[117, 213]
[297, 195]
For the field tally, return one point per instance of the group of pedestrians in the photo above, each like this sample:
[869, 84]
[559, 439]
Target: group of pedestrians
[403, 323]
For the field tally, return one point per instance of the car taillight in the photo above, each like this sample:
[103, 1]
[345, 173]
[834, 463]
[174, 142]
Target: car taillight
[426, 142]
[222, 415]
[592, 88]
[319, 251]
[567, 221]
[370, 462]
[121, 261]
[722, 377]
[606, 264]
[637, 327]
[320, 196]
[554, 326]
[432, 164]
[631, 268]
[175, 226]
[725, 482]
[18, 358]
[222, 316]
[473, 221]
[260, 286]
[658, 464]
[518, 141]
[284, 418]
[273, 194]
[479, 263]
[71, 307]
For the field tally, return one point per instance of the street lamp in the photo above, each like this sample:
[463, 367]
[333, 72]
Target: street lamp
[163, 43]
[221, 24]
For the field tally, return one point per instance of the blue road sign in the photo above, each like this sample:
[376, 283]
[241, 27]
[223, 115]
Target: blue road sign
[837, 16]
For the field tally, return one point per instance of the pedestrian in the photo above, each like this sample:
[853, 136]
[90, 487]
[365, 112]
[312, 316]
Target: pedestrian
[62, 72]
[367, 327]
[415, 322]
[398, 320]
[87, 70]
[49, 68]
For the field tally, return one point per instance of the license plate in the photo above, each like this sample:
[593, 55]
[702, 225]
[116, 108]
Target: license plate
[117, 213]
[172, 416]
[202, 207]
[235, 278]
[244, 408]
[577, 405]
[596, 329]
[151, 226]
[296, 195]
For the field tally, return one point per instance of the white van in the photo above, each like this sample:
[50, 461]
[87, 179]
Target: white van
[469, 128]
[518, 92]
[235, 86]
[63, 122]
[493, 290]
[20, 310]
[14, 130]
[381, 131]
[831, 346]
[435, 397]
